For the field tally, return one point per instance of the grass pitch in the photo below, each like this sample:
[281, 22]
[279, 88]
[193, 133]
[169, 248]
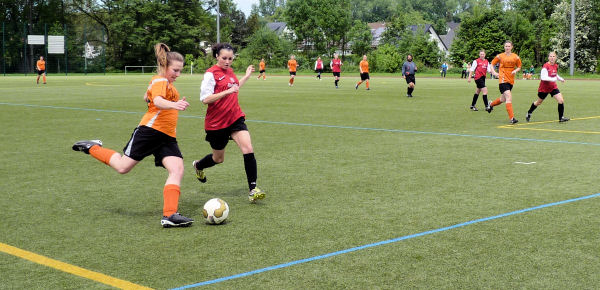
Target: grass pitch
[342, 169]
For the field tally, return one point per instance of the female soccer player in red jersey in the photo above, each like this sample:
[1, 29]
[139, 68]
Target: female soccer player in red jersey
[548, 78]
[510, 65]
[336, 68]
[225, 119]
[155, 135]
[480, 67]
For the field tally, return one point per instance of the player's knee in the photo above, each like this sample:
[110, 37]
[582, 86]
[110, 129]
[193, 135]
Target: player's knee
[218, 159]
[123, 170]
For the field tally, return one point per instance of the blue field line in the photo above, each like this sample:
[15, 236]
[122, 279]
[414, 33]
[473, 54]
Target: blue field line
[289, 264]
[325, 126]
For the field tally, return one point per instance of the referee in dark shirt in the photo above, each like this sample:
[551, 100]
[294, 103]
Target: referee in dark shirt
[408, 73]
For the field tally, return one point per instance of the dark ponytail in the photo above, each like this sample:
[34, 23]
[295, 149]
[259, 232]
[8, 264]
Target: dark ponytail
[216, 49]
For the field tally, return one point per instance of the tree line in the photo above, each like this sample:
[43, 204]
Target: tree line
[130, 28]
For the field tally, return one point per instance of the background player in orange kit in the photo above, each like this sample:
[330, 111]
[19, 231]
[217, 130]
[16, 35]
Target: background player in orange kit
[41, 69]
[262, 67]
[363, 66]
[292, 64]
[155, 135]
[509, 66]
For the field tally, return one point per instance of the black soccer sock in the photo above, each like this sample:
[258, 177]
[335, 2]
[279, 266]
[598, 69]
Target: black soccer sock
[410, 90]
[561, 110]
[336, 82]
[485, 101]
[250, 166]
[205, 162]
[475, 96]
[532, 108]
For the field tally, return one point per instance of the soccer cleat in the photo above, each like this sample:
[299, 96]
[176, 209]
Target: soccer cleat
[473, 108]
[176, 220]
[256, 194]
[336, 87]
[489, 109]
[85, 145]
[199, 172]
[563, 119]
[513, 121]
[368, 89]
[356, 87]
[528, 117]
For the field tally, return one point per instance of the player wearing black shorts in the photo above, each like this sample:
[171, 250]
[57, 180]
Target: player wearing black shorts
[548, 77]
[479, 68]
[408, 73]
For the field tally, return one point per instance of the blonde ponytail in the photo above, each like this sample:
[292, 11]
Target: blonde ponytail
[164, 56]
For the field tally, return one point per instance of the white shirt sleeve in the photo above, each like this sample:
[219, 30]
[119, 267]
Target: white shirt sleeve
[316, 65]
[207, 87]
[331, 64]
[559, 78]
[544, 76]
[474, 65]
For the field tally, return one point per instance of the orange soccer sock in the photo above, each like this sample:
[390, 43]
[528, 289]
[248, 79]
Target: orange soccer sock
[496, 102]
[102, 154]
[44, 79]
[367, 84]
[509, 109]
[358, 84]
[171, 194]
[291, 81]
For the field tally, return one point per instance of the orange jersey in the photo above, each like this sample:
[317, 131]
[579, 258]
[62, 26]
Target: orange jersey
[292, 64]
[364, 66]
[41, 65]
[262, 65]
[508, 63]
[162, 120]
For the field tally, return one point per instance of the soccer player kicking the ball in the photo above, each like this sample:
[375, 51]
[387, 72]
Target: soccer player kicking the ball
[548, 78]
[510, 65]
[155, 135]
[480, 67]
[225, 119]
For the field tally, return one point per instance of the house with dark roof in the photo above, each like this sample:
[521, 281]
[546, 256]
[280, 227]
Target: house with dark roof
[280, 28]
[443, 42]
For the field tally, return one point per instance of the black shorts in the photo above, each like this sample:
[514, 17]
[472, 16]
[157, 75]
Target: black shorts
[146, 141]
[218, 139]
[292, 73]
[480, 82]
[410, 79]
[336, 74]
[364, 76]
[319, 70]
[40, 72]
[543, 95]
[505, 87]
[261, 71]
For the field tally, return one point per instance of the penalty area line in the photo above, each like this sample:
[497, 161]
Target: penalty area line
[349, 250]
[68, 268]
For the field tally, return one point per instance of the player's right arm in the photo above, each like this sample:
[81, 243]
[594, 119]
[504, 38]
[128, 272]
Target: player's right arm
[494, 62]
[207, 90]
[473, 67]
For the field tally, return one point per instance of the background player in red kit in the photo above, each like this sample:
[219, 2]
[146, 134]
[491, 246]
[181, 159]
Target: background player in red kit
[481, 67]
[336, 68]
[548, 78]
[225, 119]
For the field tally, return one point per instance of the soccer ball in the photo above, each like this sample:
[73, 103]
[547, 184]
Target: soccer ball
[215, 211]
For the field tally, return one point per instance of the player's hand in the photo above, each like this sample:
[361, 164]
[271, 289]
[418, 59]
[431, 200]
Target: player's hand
[146, 99]
[234, 89]
[249, 70]
[181, 105]
[514, 72]
[468, 80]
[563, 80]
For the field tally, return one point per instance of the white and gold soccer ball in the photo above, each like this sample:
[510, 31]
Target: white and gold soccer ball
[215, 211]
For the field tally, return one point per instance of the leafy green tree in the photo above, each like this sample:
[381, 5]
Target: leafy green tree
[387, 58]
[265, 43]
[361, 38]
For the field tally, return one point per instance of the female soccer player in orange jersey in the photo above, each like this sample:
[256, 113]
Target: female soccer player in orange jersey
[155, 135]
[292, 64]
[363, 67]
[261, 71]
[510, 65]
[41, 69]
[548, 78]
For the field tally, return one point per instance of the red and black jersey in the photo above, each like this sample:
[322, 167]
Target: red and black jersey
[481, 68]
[336, 65]
[549, 86]
[223, 112]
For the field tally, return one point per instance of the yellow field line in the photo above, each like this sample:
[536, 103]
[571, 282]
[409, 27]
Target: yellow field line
[516, 126]
[68, 268]
[93, 84]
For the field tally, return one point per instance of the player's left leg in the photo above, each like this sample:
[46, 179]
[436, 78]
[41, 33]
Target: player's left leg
[509, 108]
[171, 193]
[561, 108]
[244, 142]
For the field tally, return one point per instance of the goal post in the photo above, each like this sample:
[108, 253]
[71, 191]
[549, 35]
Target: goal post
[143, 68]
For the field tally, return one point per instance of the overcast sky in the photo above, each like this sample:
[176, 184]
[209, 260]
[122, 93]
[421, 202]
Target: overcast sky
[245, 5]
